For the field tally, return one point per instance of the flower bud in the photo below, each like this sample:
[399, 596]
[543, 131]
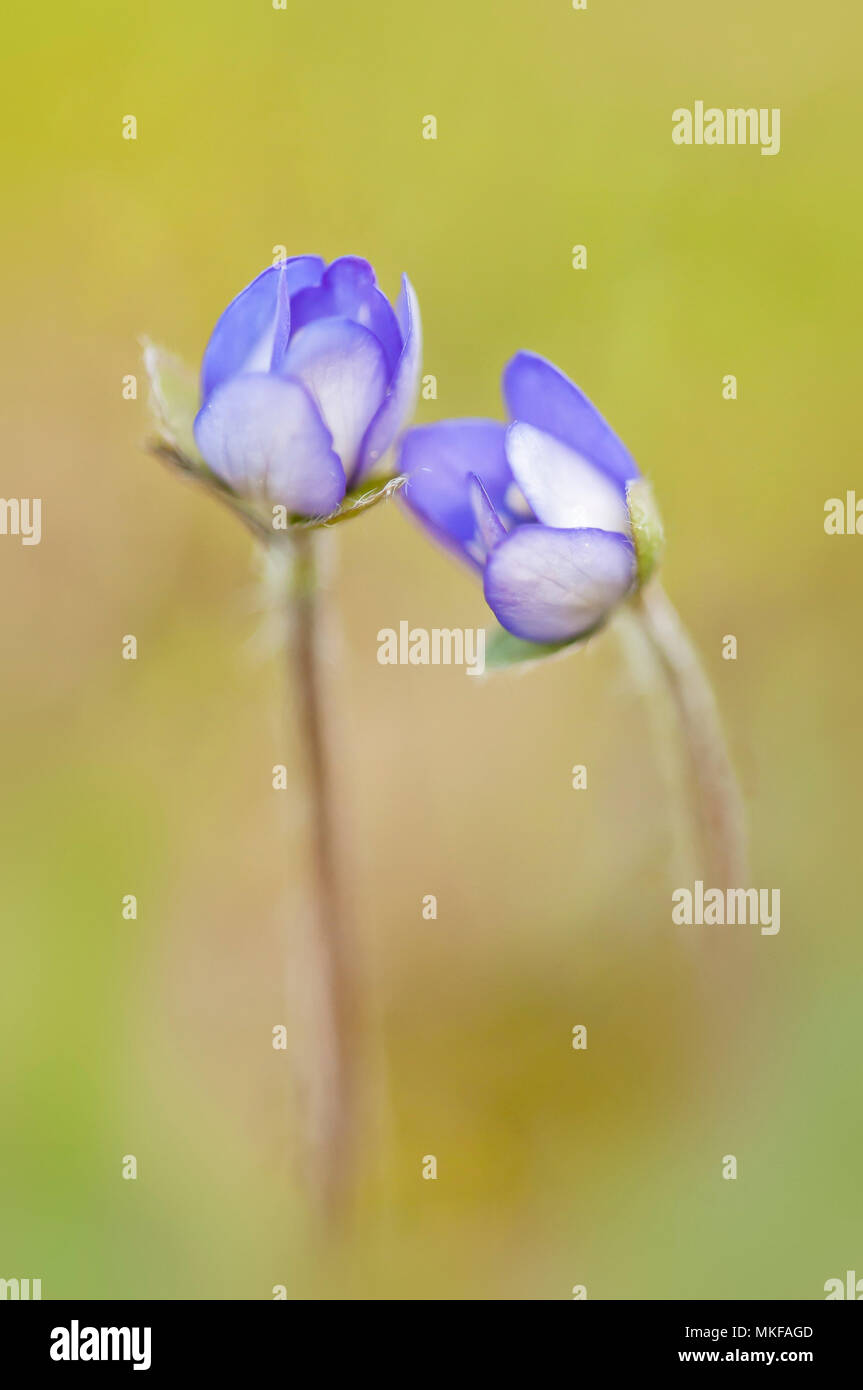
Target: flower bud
[309, 376]
[551, 509]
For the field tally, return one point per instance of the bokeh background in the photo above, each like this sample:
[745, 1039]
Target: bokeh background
[258, 127]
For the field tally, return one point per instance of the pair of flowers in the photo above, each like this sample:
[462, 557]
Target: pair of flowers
[307, 383]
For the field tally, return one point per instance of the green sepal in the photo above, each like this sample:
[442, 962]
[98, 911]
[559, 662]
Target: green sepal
[503, 650]
[648, 532]
[174, 400]
[353, 503]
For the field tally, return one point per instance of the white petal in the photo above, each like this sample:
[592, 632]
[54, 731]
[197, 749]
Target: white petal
[564, 489]
[343, 366]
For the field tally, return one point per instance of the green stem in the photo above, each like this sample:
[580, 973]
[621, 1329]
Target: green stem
[716, 794]
[334, 1011]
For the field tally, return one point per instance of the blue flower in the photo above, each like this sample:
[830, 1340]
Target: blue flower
[307, 380]
[541, 507]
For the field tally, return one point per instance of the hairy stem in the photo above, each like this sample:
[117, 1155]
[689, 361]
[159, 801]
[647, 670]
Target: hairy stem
[332, 1012]
[716, 794]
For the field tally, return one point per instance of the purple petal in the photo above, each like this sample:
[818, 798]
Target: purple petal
[342, 366]
[242, 339]
[439, 461]
[348, 290]
[490, 528]
[281, 321]
[403, 390]
[301, 272]
[547, 585]
[407, 310]
[563, 488]
[538, 393]
[265, 437]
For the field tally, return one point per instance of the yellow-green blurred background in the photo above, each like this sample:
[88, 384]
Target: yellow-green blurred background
[302, 127]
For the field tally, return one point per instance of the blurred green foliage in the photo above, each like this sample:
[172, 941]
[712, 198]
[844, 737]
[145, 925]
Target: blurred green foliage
[302, 127]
